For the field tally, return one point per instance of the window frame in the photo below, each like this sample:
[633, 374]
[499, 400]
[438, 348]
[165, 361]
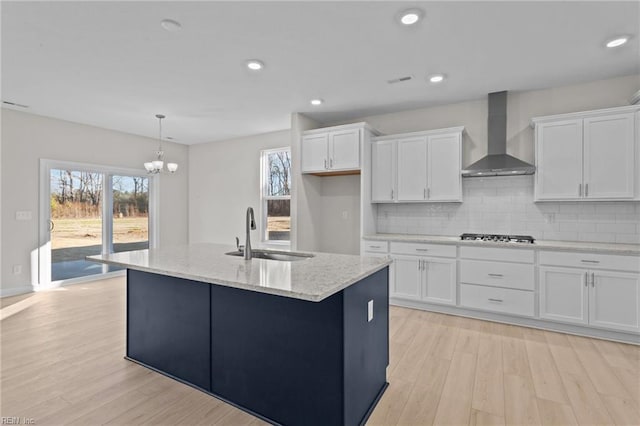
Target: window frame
[264, 197]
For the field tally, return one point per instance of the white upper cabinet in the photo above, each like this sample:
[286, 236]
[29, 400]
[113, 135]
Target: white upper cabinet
[383, 171]
[344, 149]
[418, 167]
[609, 156]
[588, 156]
[315, 152]
[559, 160]
[445, 163]
[333, 150]
[412, 169]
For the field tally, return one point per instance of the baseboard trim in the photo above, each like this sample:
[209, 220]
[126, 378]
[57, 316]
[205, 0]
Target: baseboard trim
[15, 291]
[597, 333]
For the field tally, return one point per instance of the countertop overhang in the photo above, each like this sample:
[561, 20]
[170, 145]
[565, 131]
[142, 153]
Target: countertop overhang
[312, 279]
[584, 246]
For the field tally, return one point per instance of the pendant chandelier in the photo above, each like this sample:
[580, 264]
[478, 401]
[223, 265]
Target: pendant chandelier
[156, 166]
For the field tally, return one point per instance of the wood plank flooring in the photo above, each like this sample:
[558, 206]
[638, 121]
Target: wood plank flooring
[62, 363]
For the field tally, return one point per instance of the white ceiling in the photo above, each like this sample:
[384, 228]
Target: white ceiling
[110, 64]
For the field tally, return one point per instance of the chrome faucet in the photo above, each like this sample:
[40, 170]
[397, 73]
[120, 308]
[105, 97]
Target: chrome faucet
[251, 224]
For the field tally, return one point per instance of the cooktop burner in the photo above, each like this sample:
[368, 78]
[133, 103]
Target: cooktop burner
[527, 239]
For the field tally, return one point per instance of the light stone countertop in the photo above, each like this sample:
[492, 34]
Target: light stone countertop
[609, 248]
[312, 279]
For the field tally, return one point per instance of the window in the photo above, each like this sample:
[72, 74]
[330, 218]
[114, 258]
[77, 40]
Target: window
[276, 195]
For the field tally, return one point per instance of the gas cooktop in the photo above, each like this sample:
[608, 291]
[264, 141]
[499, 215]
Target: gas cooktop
[526, 239]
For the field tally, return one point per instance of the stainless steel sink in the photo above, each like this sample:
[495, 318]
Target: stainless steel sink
[285, 256]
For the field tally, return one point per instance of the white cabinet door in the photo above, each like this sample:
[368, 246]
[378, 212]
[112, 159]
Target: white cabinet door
[559, 160]
[412, 169]
[609, 156]
[614, 300]
[314, 153]
[407, 278]
[563, 294]
[440, 281]
[444, 164]
[383, 171]
[344, 150]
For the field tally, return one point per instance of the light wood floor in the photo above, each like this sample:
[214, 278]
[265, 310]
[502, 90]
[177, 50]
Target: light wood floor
[62, 364]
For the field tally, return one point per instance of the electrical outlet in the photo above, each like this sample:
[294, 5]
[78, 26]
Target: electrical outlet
[17, 269]
[23, 215]
[370, 311]
[549, 217]
[345, 214]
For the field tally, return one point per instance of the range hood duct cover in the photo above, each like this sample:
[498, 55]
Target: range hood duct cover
[497, 162]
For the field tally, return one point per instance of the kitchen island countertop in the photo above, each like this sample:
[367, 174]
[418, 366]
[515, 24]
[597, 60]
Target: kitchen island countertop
[312, 279]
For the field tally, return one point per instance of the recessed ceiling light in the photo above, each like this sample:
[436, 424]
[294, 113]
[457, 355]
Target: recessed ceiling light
[618, 41]
[316, 102]
[171, 25]
[410, 16]
[436, 78]
[255, 65]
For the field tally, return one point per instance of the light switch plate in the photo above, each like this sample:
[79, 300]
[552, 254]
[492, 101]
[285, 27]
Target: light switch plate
[370, 311]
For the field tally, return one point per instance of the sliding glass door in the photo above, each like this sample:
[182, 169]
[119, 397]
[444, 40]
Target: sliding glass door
[75, 222]
[89, 210]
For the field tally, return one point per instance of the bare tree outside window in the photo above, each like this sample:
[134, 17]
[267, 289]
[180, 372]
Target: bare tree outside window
[276, 172]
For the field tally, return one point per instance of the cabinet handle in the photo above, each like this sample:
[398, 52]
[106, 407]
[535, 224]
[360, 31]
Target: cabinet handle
[495, 300]
[425, 193]
[374, 246]
[589, 261]
[580, 190]
[331, 162]
[586, 189]
[419, 265]
[392, 194]
[496, 275]
[586, 279]
[593, 279]
[419, 249]
[428, 192]
[325, 164]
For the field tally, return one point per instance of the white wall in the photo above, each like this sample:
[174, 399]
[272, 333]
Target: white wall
[27, 138]
[521, 107]
[224, 179]
[340, 218]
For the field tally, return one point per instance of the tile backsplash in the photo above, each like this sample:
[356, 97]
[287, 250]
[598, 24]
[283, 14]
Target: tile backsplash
[504, 205]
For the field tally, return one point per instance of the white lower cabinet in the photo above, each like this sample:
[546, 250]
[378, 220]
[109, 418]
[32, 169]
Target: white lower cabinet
[563, 294]
[428, 279]
[590, 297]
[503, 300]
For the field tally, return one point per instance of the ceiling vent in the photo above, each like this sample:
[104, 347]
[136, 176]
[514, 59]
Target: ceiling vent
[400, 80]
[13, 104]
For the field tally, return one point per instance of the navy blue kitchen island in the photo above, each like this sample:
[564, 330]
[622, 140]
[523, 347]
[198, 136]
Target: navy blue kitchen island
[287, 360]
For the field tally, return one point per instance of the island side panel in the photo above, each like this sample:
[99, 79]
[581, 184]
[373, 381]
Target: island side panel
[366, 345]
[168, 326]
[277, 356]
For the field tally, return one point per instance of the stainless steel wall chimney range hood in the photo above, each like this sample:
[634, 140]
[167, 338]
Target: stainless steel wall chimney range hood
[497, 162]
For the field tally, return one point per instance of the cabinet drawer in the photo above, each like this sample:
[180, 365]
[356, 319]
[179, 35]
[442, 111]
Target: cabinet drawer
[423, 249]
[499, 274]
[495, 253]
[590, 260]
[517, 302]
[376, 246]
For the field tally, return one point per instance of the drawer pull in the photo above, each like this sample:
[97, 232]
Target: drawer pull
[419, 249]
[589, 261]
[495, 300]
[374, 246]
[496, 275]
